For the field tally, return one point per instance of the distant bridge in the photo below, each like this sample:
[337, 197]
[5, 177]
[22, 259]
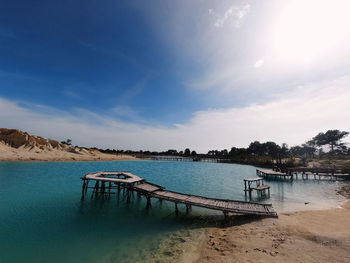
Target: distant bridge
[188, 159]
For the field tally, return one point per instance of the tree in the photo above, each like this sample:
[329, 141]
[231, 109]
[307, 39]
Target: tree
[193, 153]
[256, 148]
[283, 152]
[67, 142]
[304, 152]
[187, 152]
[171, 152]
[332, 138]
[223, 152]
[272, 149]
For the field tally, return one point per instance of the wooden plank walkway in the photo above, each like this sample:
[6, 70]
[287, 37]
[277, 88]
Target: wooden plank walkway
[132, 182]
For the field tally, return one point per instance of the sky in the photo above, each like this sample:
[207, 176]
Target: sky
[158, 75]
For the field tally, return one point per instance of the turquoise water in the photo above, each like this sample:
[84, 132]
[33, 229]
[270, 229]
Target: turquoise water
[43, 220]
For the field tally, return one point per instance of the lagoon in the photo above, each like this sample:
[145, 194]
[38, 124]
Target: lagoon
[43, 220]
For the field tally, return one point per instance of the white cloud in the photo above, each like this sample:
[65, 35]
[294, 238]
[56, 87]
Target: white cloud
[293, 118]
[259, 63]
[236, 13]
[221, 21]
[126, 111]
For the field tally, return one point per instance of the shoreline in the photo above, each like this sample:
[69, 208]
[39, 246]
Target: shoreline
[316, 235]
[70, 159]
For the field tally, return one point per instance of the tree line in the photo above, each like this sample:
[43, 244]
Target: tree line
[329, 143]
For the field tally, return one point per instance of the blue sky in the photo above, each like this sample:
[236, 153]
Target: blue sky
[97, 56]
[172, 74]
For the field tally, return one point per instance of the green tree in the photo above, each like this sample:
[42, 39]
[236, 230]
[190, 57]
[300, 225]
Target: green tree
[67, 142]
[332, 138]
[187, 152]
[256, 148]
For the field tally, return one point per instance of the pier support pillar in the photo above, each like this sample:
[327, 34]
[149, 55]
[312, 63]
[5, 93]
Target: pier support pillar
[128, 194]
[188, 209]
[176, 209]
[109, 190]
[148, 205]
[225, 215]
[83, 190]
[103, 190]
[96, 190]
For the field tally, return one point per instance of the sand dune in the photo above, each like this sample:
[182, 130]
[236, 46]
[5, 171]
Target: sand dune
[16, 145]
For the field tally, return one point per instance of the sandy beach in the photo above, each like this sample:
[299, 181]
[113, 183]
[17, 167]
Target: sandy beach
[307, 236]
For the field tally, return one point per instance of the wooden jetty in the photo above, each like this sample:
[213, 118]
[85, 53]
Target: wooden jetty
[185, 159]
[107, 183]
[319, 173]
[305, 173]
[271, 173]
[259, 187]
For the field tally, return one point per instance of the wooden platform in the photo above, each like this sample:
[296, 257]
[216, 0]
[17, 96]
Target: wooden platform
[271, 173]
[137, 184]
[116, 177]
[259, 187]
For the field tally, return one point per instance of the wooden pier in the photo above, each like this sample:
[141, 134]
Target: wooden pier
[319, 173]
[305, 174]
[107, 183]
[185, 159]
[259, 187]
[266, 173]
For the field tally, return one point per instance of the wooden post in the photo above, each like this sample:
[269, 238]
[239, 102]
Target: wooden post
[96, 189]
[188, 207]
[86, 186]
[83, 190]
[103, 188]
[176, 209]
[148, 205]
[128, 195]
[109, 190]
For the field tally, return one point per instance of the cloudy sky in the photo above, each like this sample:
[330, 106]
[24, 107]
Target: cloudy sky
[158, 75]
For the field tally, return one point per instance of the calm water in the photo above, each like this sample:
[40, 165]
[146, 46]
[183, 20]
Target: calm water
[43, 220]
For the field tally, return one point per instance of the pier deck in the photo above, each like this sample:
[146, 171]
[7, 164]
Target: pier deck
[132, 183]
[271, 173]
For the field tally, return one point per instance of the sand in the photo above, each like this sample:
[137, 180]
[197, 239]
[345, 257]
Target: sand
[33, 153]
[17, 145]
[307, 236]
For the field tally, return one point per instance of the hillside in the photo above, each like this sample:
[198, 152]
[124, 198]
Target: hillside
[16, 145]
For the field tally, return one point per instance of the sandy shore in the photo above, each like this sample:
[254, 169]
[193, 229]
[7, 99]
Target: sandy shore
[8, 153]
[307, 236]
